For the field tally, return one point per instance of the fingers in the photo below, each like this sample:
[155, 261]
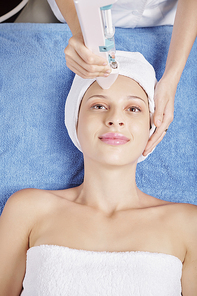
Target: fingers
[160, 132]
[154, 141]
[77, 43]
[81, 68]
[164, 112]
[159, 110]
[83, 62]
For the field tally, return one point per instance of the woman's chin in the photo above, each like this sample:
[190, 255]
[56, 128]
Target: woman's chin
[114, 155]
[113, 158]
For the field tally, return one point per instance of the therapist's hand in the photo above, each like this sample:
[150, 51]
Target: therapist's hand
[82, 61]
[164, 111]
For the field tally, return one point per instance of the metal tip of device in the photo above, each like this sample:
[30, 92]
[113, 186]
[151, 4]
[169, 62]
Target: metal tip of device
[114, 65]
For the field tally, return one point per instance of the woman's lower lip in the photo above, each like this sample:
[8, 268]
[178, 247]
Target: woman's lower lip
[114, 142]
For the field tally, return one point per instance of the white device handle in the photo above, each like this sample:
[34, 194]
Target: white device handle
[89, 15]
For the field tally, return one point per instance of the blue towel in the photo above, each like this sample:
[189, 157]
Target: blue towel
[35, 150]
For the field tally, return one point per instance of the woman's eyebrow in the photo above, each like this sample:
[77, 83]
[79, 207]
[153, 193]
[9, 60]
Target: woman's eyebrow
[98, 96]
[136, 97]
[126, 98]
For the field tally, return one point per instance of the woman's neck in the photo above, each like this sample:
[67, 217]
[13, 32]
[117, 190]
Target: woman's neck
[110, 189]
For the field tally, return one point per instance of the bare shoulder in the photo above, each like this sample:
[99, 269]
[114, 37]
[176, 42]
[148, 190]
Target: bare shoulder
[189, 219]
[32, 198]
[26, 199]
[184, 216]
[28, 204]
[188, 212]
[181, 216]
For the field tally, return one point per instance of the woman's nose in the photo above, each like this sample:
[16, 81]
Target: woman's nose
[115, 119]
[113, 123]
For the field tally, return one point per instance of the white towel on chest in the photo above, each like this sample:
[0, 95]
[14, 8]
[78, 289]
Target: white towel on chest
[61, 271]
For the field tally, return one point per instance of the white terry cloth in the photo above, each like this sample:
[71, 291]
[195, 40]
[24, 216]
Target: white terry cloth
[132, 65]
[61, 271]
[136, 13]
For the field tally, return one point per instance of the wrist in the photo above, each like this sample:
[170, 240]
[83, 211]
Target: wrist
[168, 83]
[171, 77]
[75, 27]
[174, 66]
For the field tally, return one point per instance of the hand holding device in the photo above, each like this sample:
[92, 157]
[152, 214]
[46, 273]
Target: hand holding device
[98, 33]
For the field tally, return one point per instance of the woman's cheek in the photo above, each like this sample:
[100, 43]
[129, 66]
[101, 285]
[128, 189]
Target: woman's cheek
[141, 130]
[85, 129]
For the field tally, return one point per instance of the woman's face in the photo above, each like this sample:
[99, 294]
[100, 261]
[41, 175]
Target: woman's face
[113, 125]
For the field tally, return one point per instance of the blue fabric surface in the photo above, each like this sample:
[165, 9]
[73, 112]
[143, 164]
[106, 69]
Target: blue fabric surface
[35, 150]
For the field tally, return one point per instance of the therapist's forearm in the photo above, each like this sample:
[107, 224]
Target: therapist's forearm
[67, 8]
[183, 36]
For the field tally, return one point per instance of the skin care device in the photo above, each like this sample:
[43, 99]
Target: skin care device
[98, 33]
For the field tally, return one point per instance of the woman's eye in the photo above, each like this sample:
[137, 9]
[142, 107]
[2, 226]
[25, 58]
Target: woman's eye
[98, 107]
[134, 109]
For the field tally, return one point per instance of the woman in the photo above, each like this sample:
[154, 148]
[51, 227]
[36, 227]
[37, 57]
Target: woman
[105, 237]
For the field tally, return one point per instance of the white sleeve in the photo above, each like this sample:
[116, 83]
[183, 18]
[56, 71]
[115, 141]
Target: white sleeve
[56, 11]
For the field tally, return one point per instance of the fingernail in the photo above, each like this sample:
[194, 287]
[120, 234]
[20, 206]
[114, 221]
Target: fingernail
[108, 71]
[106, 74]
[105, 64]
[158, 123]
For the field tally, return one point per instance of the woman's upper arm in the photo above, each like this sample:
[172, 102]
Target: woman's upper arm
[15, 226]
[189, 276]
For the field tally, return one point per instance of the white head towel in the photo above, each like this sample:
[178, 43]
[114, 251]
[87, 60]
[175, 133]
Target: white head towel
[133, 65]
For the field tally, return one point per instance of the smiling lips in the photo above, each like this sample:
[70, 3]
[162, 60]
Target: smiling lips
[114, 139]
